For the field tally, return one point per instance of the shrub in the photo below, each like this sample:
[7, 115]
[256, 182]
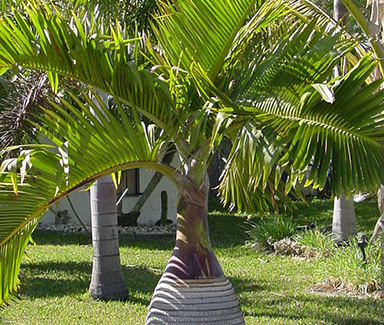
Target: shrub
[266, 232]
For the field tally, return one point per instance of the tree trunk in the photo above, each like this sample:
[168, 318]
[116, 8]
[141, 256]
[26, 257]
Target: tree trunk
[193, 288]
[380, 199]
[107, 281]
[344, 220]
[155, 180]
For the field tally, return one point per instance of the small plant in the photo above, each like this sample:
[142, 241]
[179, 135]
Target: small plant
[62, 217]
[266, 232]
[317, 243]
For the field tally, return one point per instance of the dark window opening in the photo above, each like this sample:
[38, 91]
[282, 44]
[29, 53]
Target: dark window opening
[130, 182]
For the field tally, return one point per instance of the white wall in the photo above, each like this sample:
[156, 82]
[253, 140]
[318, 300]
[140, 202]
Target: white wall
[150, 212]
[80, 201]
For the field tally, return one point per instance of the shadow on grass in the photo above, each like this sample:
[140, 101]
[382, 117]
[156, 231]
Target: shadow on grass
[336, 310]
[162, 244]
[47, 237]
[321, 212]
[242, 285]
[55, 279]
[60, 279]
[228, 230]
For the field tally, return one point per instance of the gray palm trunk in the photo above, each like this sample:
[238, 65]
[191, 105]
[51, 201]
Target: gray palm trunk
[107, 282]
[155, 180]
[344, 219]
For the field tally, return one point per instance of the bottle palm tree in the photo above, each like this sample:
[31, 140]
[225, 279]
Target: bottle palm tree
[344, 221]
[255, 72]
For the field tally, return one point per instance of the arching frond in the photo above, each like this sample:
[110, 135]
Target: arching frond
[288, 66]
[88, 142]
[246, 181]
[344, 135]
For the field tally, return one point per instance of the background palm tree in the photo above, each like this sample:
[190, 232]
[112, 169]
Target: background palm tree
[344, 221]
[247, 70]
[107, 281]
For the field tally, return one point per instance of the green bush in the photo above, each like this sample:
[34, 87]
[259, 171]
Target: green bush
[266, 232]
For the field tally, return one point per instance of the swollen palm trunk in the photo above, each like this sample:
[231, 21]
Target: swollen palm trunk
[107, 281]
[193, 288]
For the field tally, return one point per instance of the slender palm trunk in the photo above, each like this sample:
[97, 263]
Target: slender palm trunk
[107, 281]
[344, 220]
[340, 11]
[193, 288]
[380, 222]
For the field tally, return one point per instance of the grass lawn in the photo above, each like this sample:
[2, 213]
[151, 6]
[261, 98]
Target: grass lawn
[272, 289]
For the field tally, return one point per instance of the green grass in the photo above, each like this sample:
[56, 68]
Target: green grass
[272, 289]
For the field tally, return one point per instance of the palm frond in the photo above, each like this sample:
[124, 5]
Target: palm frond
[11, 254]
[72, 50]
[24, 94]
[135, 14]
[341, 139]
[205, 31]
[88, 142]
[349, 132]
[306, 10]
[247, 181]
[295, 60]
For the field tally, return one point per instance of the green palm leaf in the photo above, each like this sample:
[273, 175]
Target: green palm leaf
[246, 182]
[72, 50]
[89, 142]
[343, 137]
[221, 20]
[348, 129]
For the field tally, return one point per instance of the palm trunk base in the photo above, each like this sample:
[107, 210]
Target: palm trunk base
[195, 301]
[117, 292]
